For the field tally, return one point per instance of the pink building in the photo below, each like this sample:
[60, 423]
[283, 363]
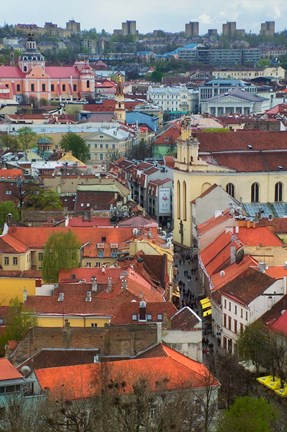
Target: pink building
[33, 78]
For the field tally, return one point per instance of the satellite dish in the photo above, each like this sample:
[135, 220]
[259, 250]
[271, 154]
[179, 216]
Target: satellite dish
[25, 371]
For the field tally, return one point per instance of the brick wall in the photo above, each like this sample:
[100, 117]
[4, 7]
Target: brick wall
[121, 340]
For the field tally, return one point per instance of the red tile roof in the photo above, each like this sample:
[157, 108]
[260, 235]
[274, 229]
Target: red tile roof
[231, 272]
[280, 325]
[11, 72]
[258, 236]
[8, 371]
[174, 371]
[125, 313]
[184, 319]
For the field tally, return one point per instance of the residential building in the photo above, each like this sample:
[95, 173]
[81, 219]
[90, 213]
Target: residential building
[174, 99]
[129, 28]
[267, 28]
[249, 74]
[246, 299]
[13, 385]
[192, 29]
[161, 368]
[229, 29]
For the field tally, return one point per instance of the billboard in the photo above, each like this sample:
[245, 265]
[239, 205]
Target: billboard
[164, 201]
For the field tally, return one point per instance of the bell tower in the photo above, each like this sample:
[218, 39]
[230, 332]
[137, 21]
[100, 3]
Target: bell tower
[120, 112]
[31, 57]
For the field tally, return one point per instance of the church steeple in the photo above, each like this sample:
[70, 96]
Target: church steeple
[120, 111]
[31, 57]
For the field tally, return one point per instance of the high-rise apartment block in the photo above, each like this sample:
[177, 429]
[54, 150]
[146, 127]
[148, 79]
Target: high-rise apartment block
[73, 26]
[267, 28]
[229, 29]
[192, 29]
[129, 28]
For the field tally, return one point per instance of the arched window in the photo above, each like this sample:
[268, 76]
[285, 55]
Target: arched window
[178, 199]
[230, 189]
[255, 192]
[278, 192]
[184, 200]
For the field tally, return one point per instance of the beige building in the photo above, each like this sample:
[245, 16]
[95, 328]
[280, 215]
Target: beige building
[249, 174]
[249, 74]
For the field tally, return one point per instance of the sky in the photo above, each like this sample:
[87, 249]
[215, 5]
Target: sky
[167, 15]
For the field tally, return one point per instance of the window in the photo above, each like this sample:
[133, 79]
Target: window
[229, 306]
[235, 309]
[15, 261]
[255, 192]
[96, 145]
[88, 84]
[6, 260]
[230, 189]
[184, 200]
[241, 313]
[101, 253]
[246, 316]
[241, 328]
[114, 253]
[88, 264]
[18, 88]
[74, 87]
[63, 87]
[94, 325]
[52, 87]
[178, 200]
[278, 192]
[40, 256]
[134, 317]
[148, 317]
[235, 326]
[229, 323]
[32, 87]
[101, 146]
[224, 320]
[159, 317]
[225, 303]
[43, 87]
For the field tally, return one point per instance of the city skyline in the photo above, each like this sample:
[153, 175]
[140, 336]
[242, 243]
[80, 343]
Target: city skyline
[161, 15]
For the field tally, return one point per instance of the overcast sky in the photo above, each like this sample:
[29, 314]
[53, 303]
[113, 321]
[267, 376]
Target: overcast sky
[167, 15]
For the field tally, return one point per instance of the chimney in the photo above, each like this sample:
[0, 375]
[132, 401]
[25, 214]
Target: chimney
[25, 295]
[110, 284]
[232, 254]
[142, 311]
[94, 284]
[103, 269]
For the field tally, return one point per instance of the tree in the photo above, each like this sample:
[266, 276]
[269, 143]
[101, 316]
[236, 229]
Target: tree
[140, 151]
[7, 207]
[26, 137]
[44, 199]
[9, 141]
[77, 145]
[18, 323]
[249, 414]
[62, 251]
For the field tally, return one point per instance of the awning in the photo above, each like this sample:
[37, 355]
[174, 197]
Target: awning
[205, 303]
[207, 312]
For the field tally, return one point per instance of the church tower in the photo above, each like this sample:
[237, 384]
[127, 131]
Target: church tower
[120, 112]
[31, 56]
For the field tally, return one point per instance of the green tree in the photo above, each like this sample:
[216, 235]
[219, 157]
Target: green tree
[7, 207]
[249, 414]
[140, 151]
[26, 137]
[9, 141]
[18, 323]
[77, 145]
[44, 199]
[62, 251]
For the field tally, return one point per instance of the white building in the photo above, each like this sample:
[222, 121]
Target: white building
[179, 99]
[245, 299]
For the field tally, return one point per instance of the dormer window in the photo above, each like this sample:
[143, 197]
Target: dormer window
[159, 317]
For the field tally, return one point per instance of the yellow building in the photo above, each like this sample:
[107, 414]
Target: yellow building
[16, 287]
[249, 173]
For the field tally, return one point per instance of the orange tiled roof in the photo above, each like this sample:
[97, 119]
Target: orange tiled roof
[8, 371]
[124, 315]
[174, 371]
[258, 236]
[231, 272]
[276, 272]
